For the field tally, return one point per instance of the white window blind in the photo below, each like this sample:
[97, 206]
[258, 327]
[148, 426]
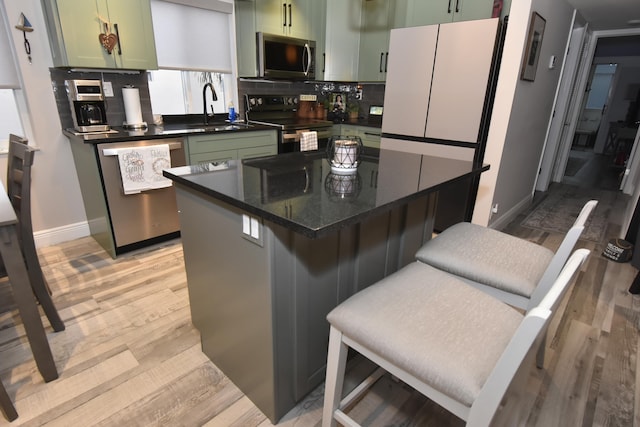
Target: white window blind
[8, 73]
[191, 38]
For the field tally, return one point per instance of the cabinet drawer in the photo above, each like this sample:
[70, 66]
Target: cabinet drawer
[231, 141]
[248, 153]
[214, 156]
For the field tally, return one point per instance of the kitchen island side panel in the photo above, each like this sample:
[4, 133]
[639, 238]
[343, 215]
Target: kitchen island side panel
[229, 283]
[261, 310]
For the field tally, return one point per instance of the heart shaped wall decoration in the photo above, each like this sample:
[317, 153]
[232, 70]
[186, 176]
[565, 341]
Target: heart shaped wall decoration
[108, 41]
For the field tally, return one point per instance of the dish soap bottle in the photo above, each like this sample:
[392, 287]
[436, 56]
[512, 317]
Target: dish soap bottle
[232, 113]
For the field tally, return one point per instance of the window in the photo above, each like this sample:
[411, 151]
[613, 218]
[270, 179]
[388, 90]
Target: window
[9, 118]
[194, 46]
[180, 91]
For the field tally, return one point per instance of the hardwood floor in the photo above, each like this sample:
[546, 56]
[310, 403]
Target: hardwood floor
[130, 356]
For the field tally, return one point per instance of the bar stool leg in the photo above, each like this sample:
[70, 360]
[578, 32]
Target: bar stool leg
[6, 405]
[17, 273]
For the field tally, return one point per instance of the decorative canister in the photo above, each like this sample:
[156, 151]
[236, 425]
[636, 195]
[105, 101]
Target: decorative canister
[343, 153]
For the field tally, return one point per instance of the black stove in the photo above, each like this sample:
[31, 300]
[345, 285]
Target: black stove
[282, 112]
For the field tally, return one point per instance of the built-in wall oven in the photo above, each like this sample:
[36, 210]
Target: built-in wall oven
[281, 112]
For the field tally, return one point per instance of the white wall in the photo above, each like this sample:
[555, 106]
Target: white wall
[521, 112]
[56, 200]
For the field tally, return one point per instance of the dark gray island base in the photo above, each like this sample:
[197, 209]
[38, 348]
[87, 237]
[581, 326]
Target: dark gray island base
[271, 245]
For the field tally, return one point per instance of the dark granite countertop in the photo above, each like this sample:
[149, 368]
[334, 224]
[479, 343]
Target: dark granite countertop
[301, 191]
[119, 134]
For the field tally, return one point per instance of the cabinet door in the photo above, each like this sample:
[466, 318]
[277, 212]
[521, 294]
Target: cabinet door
[420, 12]
[136, 49]
[461, 72]
[270, 16]
[412, 52]
[377, 19]
[342, 40]
[468, 10]
[81, 26]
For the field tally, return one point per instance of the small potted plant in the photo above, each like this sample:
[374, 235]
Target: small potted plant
[353, 109]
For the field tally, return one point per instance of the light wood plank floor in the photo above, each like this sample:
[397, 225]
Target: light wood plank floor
[130, 356]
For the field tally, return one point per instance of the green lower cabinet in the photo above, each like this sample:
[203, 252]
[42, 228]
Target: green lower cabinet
[370, 136]
[220, 147]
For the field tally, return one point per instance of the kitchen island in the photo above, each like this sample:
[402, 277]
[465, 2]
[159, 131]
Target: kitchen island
[272, 244]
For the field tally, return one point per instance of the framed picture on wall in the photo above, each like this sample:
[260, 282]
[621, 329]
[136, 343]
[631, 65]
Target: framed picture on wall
[533, 47]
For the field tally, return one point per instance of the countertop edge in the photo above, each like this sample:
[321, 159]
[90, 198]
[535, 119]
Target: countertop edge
[317, 233]
[152, 132]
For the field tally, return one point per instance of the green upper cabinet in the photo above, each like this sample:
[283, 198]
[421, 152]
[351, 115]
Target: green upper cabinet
[421, 12]
[75, 28]
[378, 18]
[303, 19]
[286, 17]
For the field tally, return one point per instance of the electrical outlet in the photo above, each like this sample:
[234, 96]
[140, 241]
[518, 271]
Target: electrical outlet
[359, 94]
[494, 209]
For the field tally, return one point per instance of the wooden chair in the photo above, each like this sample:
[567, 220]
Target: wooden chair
[19, 164]
[453, 343]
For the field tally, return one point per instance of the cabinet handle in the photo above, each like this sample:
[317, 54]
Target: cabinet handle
[290, 19]
[284, 14]
[381, 60]
[324, 61]
[118, 36]
[449, 7]
[386, 61]
[457, 6]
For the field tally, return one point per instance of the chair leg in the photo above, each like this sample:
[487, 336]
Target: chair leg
[6, 405]
[541, 351]
[41, 291]
[336, 365]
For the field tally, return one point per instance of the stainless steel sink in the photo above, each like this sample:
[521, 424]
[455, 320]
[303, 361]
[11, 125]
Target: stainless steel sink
[199, 127]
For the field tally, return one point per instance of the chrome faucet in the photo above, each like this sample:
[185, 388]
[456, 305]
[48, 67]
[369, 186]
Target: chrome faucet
[204, 100]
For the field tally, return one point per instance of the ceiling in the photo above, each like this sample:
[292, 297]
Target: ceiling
[609, 14]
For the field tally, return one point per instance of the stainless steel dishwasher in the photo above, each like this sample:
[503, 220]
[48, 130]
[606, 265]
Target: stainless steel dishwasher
[146, 217]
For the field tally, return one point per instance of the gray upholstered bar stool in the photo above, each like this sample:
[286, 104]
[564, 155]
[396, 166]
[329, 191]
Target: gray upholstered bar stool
[512, 269]
[456, 345]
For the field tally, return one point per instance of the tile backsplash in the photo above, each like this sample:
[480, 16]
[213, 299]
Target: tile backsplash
[372, 93]
[115, 104]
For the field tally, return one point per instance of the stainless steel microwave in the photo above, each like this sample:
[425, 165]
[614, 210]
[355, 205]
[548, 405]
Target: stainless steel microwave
[286, 57]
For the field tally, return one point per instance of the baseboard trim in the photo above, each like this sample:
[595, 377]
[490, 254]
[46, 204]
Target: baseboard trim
[511, 214]
[53, 236]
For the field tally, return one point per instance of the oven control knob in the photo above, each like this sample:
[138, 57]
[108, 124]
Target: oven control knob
[252, 101]
[259, 100]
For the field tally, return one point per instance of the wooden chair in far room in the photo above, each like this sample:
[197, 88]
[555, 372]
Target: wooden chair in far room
[453, 343]
[20, 160]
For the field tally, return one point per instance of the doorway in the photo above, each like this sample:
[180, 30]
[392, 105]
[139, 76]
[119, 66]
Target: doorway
[620, 47]
[589, 166]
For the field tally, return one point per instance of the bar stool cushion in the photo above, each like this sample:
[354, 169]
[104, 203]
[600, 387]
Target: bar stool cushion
[456, 359]
[469, 251]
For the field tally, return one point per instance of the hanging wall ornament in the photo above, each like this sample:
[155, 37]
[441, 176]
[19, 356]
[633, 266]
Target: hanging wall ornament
[108, 40]
[25, 26]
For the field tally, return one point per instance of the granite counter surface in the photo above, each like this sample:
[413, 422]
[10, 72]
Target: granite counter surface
[303, 193]
[120, 134]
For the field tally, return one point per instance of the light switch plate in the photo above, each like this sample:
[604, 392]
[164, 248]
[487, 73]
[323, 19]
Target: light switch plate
[107, 88]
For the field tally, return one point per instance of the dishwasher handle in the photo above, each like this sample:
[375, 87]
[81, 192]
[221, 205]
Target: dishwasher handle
[114, 151]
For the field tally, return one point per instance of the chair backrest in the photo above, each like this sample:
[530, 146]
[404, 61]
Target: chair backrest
[19, 182]
[530, 331]
[562, 254]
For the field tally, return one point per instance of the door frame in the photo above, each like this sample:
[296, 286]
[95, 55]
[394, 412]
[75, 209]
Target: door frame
[558, 144]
